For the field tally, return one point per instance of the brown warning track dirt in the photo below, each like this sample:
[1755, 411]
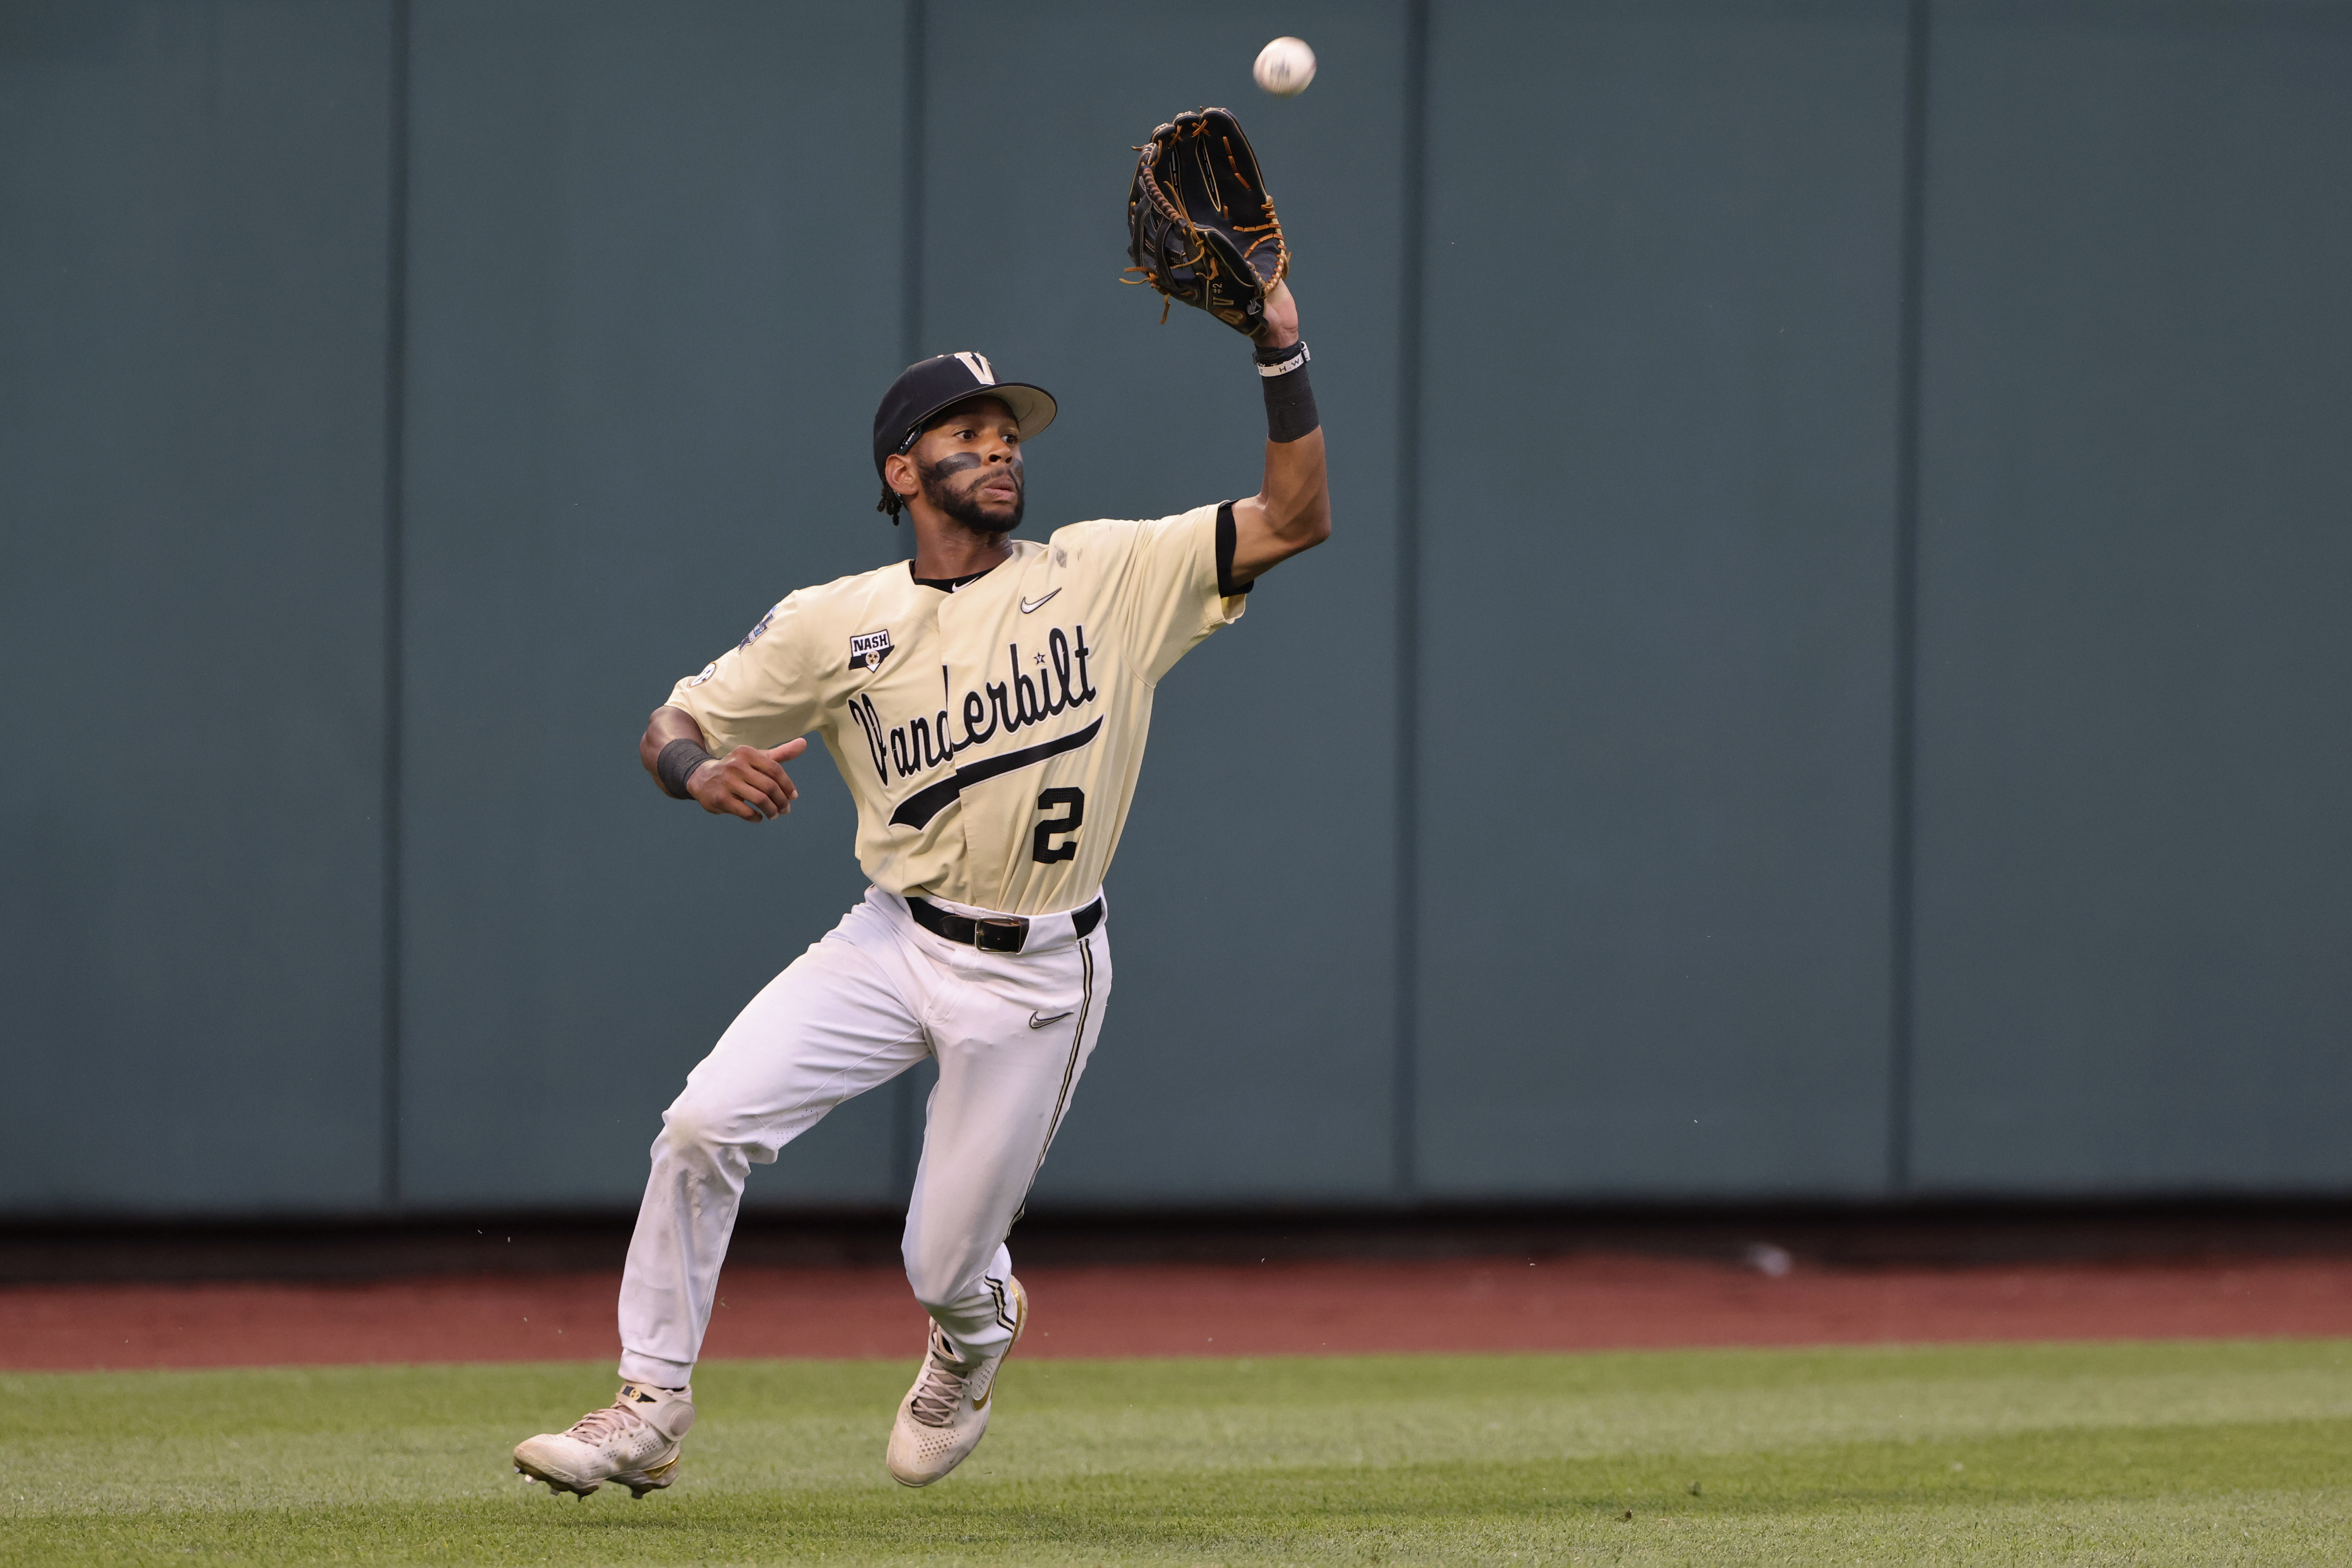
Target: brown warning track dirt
[1572, 1303]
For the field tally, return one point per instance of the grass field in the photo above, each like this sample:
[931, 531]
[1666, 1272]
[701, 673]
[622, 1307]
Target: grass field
[2124, 1453]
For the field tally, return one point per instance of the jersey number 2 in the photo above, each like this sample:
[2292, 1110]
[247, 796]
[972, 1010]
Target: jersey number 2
[1044, 850]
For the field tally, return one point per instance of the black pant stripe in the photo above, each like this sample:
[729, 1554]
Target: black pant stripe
[1070, 1068]
[1003, 1307]
[1077, 1043]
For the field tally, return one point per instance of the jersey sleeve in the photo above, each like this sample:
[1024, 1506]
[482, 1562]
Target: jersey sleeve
[760, 692]
[1163, 578]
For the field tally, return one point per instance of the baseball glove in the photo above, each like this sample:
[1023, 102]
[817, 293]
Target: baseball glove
[1199, 227]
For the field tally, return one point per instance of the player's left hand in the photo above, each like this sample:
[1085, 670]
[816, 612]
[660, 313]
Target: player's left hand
[748, 781]
[1281, 326]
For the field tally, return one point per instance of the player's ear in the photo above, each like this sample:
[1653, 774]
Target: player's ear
[898, 473]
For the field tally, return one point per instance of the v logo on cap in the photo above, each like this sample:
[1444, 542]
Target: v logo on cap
[981, 371]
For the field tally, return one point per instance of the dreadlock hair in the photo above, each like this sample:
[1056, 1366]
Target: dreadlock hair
[892, 503]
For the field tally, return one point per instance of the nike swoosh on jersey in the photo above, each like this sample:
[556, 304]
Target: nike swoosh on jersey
[1031, 607]
[918, 809]
[1037, 1023]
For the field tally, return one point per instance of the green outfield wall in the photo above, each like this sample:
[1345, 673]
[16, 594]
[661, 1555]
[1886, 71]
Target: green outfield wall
[1830, 683]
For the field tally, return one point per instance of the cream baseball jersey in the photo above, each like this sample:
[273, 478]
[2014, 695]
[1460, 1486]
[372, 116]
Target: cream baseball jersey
[991, 736]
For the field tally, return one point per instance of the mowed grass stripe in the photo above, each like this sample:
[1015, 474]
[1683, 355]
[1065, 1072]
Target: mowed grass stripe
[2197, 1452]
[2036, 1499]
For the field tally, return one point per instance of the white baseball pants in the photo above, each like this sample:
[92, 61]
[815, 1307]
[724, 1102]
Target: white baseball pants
[1011, 1032]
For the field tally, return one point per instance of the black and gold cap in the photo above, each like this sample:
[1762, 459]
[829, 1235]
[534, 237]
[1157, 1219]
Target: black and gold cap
[928, 385]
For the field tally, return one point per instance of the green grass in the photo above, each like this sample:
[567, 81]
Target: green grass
[2195, 1453]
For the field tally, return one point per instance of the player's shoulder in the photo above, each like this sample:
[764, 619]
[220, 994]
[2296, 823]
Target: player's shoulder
[857, 584]
[854, 592]
[823, 611]
[1122, 532]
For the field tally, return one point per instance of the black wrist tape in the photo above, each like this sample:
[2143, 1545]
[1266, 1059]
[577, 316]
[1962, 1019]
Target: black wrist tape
[1289, 396]
[677, 765]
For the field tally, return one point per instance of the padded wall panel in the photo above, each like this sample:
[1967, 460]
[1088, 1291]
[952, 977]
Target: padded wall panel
[2134, 849]
[1246, 1050]
[1655, 566]
[655, 289]
[192, 258]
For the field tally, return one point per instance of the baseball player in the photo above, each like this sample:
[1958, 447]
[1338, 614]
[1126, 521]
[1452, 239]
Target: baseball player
[987, 704]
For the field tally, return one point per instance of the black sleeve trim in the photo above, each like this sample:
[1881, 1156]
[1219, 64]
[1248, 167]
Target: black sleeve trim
[1228, 538]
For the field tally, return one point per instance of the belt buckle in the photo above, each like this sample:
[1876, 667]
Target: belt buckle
[1005, 933]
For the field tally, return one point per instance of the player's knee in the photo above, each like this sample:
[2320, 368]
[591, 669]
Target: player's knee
[693, 1133]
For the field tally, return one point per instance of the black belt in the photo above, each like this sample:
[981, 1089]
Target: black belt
[997, 934]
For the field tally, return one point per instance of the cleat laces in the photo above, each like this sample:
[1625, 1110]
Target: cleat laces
[939, 1393]
[596, 1428]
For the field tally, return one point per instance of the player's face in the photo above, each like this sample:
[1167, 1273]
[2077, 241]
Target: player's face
[969, 466]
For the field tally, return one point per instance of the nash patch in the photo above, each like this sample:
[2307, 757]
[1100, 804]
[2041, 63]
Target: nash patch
[868, 649]
[756, 633]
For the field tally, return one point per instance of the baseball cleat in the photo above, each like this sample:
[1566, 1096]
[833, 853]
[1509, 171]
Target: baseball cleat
[943, 1415]
[634, 1441]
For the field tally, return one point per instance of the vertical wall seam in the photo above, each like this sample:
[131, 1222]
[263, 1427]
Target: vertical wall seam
[1404, 1109]
[1903, 823]
[905, 1133]
[910, 175]
[395, 457]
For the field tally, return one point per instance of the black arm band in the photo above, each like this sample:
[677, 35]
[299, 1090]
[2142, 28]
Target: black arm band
[1289, 397]
[677, 765]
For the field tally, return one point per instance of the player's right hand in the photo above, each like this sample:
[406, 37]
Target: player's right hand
[1280, 329]
[749, 782]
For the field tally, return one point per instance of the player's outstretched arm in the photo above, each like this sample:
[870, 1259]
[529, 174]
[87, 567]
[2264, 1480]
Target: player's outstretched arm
[1292, 512]
[747, 782]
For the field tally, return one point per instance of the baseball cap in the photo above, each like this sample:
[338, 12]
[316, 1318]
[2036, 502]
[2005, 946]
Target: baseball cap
[928, 385]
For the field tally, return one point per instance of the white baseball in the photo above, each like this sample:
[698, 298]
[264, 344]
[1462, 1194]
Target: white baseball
[1284, 67]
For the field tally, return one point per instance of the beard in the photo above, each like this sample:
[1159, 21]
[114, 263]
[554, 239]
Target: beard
[964, 505]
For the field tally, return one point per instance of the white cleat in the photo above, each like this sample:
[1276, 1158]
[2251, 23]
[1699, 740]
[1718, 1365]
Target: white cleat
[634, 1441]
[942, 1418]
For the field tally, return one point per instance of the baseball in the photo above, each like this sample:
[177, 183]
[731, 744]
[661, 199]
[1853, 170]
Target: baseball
[1284, 67]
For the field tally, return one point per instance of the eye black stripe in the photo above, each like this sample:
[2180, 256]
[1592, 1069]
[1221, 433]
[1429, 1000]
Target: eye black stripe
[918, 809]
